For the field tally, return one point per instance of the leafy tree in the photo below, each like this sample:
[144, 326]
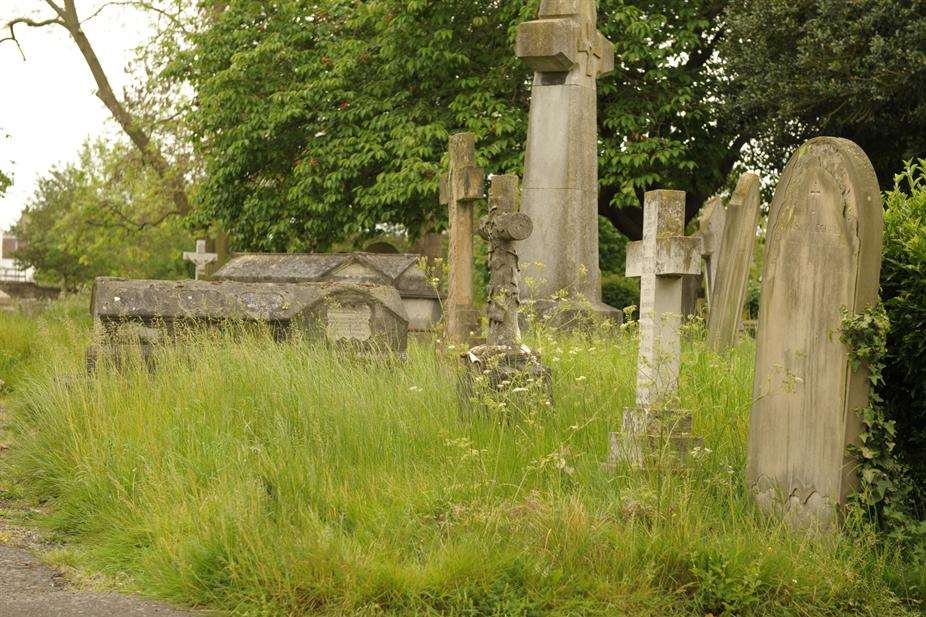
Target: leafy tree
[5, 182]
[801, 68]
[318, 120]
[81, 222]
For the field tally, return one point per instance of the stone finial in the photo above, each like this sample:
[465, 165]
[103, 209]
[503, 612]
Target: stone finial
[460, 187]
[200, 258]
[503, 226]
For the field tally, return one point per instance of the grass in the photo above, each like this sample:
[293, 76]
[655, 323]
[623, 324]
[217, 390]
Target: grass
[268, 478]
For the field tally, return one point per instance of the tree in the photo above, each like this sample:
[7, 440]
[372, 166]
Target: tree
[319, 120]
[80, 224]
[801, 68]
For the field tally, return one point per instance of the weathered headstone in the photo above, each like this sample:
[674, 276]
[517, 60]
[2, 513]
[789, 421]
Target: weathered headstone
[560, 193]
[712, 221]
[200, 258]
[402, 271]
[823, 255]
[504, 360]
[459, 188]
[732, 276]
[368, 318]
[660, 260]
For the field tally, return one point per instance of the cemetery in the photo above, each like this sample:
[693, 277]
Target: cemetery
[393, 375]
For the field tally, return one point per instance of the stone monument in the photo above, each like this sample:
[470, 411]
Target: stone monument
[660, 260]
[402, 271]
[141, 313]
[459, 188]
[711, 224]
[504, 359]
[567, 54]
[200, 258]
[823, 256]
[732, 276]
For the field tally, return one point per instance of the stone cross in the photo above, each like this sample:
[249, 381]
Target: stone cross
[660, 260]
[822, 257]
[200, 258]
[503, 226]
[459, 188]
[560, 193]
[711, 222]
[732, 269]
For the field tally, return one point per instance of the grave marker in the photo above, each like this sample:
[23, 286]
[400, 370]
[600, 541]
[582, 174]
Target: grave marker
[824, 255]
[711, 224]
[200, 258]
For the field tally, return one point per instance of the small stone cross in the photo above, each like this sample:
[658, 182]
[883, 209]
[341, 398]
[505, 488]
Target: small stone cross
[200, 258]
[503, 226]
[459, 188]
[660, 260]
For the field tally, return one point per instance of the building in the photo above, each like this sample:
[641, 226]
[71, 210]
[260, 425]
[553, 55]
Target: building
[10, 271]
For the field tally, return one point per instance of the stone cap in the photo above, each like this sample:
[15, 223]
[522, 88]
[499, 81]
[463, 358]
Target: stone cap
[399, 270]
[115, 299]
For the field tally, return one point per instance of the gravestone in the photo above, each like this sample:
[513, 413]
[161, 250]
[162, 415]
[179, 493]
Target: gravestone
[560, 194]
[459, 188]
[711, 224]
[823, 255]
[200, 258]
[402, 271]
[732, 277]
[504, 362]
[660, 260]
[367, 318]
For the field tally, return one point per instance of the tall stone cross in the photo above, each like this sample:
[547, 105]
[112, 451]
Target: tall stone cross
[560, 192]
[504, 226]
[200, 258]
[660, 260]
[459, 188]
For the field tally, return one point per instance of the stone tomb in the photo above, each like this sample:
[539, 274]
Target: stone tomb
[364, 317]
[823, 255]
[402, 271]
[732, 270]
[568, 54]
[661, 259]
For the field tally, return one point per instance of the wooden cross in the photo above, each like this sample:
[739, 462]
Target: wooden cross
[459, 188]
[504, 226]
[565, 29]
[200, 258]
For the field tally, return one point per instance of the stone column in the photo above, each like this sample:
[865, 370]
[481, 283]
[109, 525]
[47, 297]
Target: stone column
[560, 191]
[823, 256]
[660, 260]
[459, 188]
[732, 269]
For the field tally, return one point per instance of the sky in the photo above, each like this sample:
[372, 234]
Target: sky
[48, 106]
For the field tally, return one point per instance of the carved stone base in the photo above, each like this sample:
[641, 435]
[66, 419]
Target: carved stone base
[503, 374]
[650, 438]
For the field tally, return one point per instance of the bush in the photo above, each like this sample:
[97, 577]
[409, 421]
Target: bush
[903, 291]
[619, 291]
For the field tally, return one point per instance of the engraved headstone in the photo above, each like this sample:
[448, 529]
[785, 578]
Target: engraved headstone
[732, 270]
[660, 260]
[200, 258]
[823, 255]
[568, 54]
[402, 271]
[371, 318]
[459, 188]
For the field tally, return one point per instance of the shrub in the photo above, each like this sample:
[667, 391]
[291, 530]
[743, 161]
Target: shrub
[619, 291]
[903, 291]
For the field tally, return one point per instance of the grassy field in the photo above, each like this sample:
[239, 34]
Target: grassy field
[280, 479]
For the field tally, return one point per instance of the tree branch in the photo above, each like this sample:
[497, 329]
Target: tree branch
[11, 25]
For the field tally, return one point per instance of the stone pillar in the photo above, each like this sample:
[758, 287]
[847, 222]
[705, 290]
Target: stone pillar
[732, 269]
[823, 256]
[560, 191]
[660, 260]
[200, 258]
[459, 188]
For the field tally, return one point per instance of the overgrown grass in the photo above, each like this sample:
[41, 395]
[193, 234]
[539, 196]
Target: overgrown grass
[281, 479]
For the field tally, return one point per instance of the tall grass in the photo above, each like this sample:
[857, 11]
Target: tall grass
[269, 478]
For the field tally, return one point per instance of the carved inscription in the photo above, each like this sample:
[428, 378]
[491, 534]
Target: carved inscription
[349, 322]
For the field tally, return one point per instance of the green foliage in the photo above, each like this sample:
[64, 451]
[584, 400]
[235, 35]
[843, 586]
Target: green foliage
[903, 291]
[612, 248]
[619, 291]
[5, 182]
[825, 67]
[319, 121]
[86, 220]
[270, 478]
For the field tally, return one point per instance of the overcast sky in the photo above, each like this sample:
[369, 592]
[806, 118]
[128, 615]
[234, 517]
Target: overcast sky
[47, 103]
